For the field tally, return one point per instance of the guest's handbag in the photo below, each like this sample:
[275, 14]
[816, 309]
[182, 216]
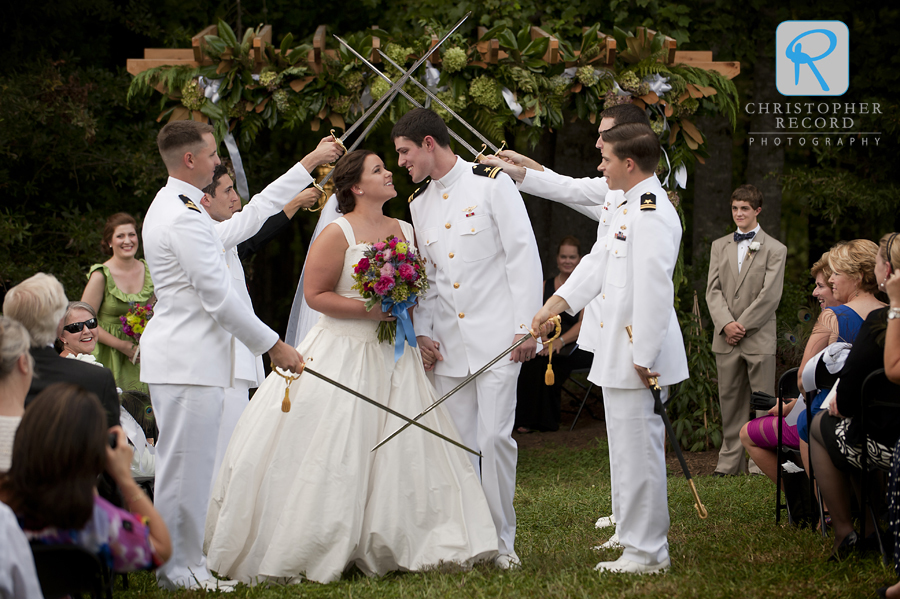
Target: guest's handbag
[761, 401]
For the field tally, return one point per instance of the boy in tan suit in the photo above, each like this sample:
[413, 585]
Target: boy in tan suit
[746, 276]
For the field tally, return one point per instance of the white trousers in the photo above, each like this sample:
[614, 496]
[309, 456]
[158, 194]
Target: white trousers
[236, 400]
[188, 417]
[483, 412]
[637, 466]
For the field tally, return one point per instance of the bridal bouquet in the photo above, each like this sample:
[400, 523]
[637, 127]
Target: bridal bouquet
[133, 323]
[391, 274]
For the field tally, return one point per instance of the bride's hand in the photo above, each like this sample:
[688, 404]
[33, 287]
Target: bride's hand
[376, 314]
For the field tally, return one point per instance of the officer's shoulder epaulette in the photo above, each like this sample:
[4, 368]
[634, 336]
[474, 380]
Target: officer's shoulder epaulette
[420, 190]
[484, 170]
[188, 203]
[648, 201]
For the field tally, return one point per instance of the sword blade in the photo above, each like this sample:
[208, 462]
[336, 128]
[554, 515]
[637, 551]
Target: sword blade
[447, 395]
[392, 92]
[434, 97]
[387, 409]
[412, 100]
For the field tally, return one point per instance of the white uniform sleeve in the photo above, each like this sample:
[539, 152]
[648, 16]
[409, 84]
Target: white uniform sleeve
[587, 192]
[246, 223]
[655, 252]
[523, 263]
[18, 577]
[585, 282]
[196, 252]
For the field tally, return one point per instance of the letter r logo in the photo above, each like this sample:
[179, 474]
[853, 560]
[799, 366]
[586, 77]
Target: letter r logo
[812, 58]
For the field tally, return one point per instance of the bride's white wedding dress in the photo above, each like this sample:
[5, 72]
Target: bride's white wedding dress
[300, 493]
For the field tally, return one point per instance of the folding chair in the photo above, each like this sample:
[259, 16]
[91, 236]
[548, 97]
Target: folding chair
[870, 388]
[65, 570]
[787, 388]
[587, 391]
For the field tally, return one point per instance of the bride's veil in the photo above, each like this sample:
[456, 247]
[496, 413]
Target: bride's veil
[302, 317]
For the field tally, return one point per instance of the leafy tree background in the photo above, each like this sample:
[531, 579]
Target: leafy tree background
[73, 151]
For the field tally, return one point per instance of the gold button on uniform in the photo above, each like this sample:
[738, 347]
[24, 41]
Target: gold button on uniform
[604, 296]
[625, 211]
[446, 195]
[601, 325]
[456, 285]
[451, 254]
[462, 315]
[473, 229]
[617, 251]
[447, 226]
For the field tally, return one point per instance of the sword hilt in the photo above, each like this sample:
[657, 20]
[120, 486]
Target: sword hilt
[323, 198]
[338, 141]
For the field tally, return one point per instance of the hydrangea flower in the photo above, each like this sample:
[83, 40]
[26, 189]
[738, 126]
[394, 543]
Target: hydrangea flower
[486, 91]
[455, 59]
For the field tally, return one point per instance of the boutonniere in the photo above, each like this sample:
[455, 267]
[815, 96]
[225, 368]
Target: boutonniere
[754, 247]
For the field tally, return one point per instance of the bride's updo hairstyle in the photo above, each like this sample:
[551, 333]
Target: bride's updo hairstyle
[347, 173]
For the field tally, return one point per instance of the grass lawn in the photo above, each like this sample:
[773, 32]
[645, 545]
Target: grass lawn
[737, 552]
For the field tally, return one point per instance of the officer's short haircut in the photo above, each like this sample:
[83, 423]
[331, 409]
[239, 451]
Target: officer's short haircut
[419, 123]
[748, 193]
[178, 137]
[635, 141]
[625, 113]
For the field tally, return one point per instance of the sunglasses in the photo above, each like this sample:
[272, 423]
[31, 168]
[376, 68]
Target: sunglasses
[76, 327]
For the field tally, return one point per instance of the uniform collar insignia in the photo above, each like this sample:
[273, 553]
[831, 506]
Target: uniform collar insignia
[648, 201]
[420, 190]
[484, 170]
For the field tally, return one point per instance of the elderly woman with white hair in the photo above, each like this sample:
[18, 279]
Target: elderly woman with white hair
[39, 303]
[16, 370]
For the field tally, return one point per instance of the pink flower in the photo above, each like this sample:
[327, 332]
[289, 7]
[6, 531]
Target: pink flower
[407, 272]
[387, 270]
[379, 246]
[384, 285]
[387, 254]
[400, 256]
[362, 265]
[393, 242]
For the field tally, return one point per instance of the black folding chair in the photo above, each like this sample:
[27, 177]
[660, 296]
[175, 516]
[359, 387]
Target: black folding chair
[787, 388]
[587, 391]
[65, 570]
[873, 386]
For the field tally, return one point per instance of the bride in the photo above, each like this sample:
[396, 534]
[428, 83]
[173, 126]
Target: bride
[300, 493]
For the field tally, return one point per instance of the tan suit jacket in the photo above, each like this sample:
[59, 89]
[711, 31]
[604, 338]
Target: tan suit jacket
[750, 296]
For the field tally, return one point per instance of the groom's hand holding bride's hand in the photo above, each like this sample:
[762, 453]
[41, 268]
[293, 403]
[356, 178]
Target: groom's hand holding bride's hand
[430, 351]
[285, 357]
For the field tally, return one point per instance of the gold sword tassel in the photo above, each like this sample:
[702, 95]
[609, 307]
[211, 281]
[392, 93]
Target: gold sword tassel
[549, 378]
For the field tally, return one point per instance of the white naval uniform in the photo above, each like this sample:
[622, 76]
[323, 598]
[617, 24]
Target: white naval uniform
[187, 358]
[248, 368]
[633, 277]
[485, 274]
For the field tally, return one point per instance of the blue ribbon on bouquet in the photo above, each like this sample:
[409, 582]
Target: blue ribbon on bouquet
[405, 331]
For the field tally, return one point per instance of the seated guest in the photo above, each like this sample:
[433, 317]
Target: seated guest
[39, 303]
[18, 577]
[77, 332]
[836, 439]
[16, 368]
[760, 435]
[891, 286]
[61, 447]
[537, 404]
[854, 285]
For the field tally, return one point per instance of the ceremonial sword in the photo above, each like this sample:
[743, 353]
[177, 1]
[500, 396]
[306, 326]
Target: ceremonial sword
[384, 101]
[415, 102]
[392, 412]
[656, 392]
[469, 379]
[434, 97]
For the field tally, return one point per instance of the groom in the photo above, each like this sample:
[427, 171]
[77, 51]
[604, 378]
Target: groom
[482, 261]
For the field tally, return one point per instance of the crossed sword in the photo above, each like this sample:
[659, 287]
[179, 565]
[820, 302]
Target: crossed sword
[380, 105]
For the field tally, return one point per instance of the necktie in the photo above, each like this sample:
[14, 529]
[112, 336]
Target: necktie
[739, 237]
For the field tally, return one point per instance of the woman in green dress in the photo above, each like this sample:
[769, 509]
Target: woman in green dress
[112, 288]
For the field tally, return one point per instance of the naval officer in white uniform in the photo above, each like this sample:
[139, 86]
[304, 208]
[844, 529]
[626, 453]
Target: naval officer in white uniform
[485, 273]
[187, 350]
[590, 196]
[632, 276]
[221, 202]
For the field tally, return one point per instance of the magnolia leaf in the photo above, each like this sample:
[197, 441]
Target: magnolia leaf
[692, 130]
[262, 105]
[669, 111]
[537, 48]
[693, 91]
[198, 116]
[707, 90]
[524, 37]
[179, 113]
[299, 84]
[316, 123]
[489, 34]
[639, 103]
[286, 43]
[699, 158]
[227, 34]
[673, 132]
[577, 87]
[337, 121]
[164, 113]
[507, 40]
[323, 113]
[216, 44]
[590, 38]
[690, 142]
[224, 67]
[650, 98]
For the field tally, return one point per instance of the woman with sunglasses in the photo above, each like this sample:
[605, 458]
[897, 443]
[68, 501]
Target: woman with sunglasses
[78, 332]
[112, 289]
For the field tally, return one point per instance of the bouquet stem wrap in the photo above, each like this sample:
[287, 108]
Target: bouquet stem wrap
[405, 331]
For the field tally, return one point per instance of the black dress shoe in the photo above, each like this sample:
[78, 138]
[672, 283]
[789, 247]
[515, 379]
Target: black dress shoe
[882, 592]
[720, 475]
[847, 546]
